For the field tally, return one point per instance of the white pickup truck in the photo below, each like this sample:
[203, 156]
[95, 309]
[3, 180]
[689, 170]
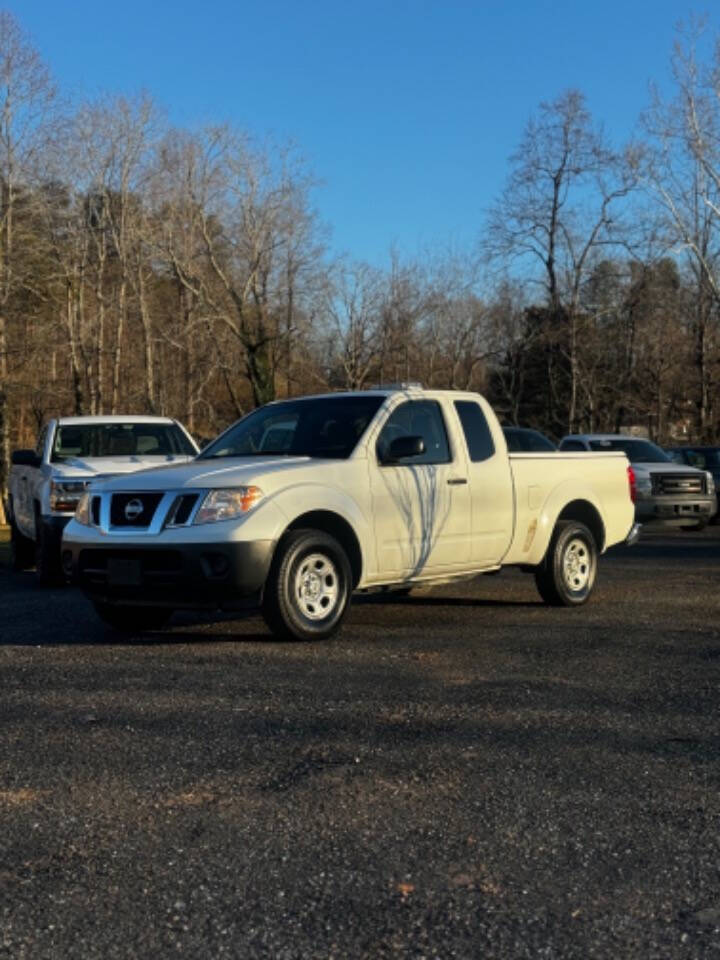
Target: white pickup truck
[304, 501]
[46, 483]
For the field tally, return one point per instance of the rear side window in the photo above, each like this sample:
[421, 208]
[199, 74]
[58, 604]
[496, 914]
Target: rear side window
[571, 445]
[477, 432]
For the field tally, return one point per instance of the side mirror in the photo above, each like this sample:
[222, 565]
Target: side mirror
[402, 448]
[25, 458]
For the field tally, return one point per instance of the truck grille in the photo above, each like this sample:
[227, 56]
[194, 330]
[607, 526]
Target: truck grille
[143, 512]
[133, 509]
[678, 484]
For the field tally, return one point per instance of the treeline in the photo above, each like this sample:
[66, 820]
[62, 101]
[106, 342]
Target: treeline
[149, 269]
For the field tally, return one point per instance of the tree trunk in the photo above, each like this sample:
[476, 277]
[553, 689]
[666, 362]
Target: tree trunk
[117, 359]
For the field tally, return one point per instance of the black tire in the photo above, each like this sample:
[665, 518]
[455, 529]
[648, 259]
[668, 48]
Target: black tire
[566, 576]
[47, 558]
[132, 619]
[307, 592]
[22, 549]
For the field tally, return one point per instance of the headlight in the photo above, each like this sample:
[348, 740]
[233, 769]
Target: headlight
[643, 484]
[65, 494]
[226, 504]
[82, 510]
[710, 482]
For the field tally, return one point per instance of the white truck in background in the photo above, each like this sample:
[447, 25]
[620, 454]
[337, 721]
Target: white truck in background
[306, 500]
[46, 483]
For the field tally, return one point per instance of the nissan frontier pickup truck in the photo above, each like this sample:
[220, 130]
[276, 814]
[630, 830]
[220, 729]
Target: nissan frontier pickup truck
[46, 483]
[304, 501]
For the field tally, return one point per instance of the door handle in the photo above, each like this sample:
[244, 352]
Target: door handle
[456, 481]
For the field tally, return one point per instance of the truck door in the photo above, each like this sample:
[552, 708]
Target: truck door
[491, 486]
[421, 504]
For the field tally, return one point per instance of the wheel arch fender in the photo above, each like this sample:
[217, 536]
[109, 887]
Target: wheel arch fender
[329, 510]
[568, 502]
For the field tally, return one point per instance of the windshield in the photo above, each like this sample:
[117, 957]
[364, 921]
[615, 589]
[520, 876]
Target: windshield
[328, 427]
[637, 451]
[120, 440]
[703, 457]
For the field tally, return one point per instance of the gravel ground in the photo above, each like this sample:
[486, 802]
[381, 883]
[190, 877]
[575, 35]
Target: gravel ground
[466, 774]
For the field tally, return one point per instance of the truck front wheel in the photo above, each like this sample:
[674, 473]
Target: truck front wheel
[307, 592]
[47, 557]
[22, 549]
[566, 576]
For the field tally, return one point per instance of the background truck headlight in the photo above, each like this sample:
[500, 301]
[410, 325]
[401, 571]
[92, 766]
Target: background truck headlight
[65, 494]
[226, 504]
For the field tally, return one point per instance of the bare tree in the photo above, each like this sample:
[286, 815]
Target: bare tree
[558, 208]
[251, 209]
[26, 98]
[353, 308]
[682, 173]
[117, 138]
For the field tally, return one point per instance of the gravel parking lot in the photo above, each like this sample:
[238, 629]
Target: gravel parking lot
[464, 774]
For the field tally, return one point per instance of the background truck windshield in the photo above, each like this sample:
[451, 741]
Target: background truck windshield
[637, 451]
[119, 440]
[328, 427]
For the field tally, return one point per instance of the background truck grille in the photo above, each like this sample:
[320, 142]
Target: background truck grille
[678, 484]
[133, 509]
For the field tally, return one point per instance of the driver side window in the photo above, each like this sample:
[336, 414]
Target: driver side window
[416, 418]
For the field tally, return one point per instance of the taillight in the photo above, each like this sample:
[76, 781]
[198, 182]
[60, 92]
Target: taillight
[631, 481]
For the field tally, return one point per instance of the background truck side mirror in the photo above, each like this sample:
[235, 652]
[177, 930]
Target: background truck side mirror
[25, 458]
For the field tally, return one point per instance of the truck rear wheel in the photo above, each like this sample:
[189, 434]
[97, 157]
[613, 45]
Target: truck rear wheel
[132, 619]
[307, 592]
[566, 576]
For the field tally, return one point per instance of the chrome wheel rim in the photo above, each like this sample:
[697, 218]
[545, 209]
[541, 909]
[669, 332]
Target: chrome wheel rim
[577, 565]
[317, 586]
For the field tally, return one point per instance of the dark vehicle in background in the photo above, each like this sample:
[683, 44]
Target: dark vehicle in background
[702, 457]
[527, 440]
[664, 491]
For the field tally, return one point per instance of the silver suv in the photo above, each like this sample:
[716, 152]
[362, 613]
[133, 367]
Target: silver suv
[665, 492]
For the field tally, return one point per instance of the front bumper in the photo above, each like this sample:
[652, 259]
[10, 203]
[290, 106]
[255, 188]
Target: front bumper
[176, 575]
[675, 511]
[634, 535]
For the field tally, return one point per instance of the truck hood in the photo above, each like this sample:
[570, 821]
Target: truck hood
[88, 468]
[648, 469]
[223, 472]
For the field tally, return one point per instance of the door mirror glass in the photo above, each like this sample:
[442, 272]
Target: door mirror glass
[402, 448]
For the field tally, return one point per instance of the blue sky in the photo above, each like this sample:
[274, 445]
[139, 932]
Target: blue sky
[407, 111]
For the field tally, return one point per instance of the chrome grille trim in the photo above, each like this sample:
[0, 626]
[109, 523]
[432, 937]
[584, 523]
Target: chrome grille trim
[163, 518]
[678, 484]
